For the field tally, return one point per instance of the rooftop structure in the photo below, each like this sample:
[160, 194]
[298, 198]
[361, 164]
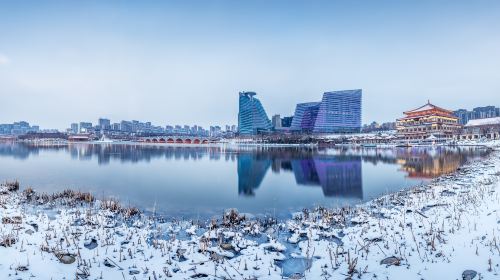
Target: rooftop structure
[481, 122]
[482, 128]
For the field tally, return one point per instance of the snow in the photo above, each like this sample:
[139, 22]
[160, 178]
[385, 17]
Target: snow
[481, 122]
[437, 231]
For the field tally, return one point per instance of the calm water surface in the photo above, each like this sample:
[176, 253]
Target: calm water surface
[202, 181]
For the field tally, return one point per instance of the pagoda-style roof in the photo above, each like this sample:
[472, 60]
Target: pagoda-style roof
[427, 107]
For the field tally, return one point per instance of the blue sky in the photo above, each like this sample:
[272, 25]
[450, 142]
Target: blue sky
[183, 62]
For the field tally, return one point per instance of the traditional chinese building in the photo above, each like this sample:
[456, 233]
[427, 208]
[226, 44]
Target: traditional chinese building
[428, 122]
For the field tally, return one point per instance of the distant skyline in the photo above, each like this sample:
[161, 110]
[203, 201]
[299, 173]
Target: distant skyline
[184, 62]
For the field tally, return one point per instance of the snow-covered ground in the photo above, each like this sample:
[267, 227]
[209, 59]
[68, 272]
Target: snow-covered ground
[481, 142]
[448, 229]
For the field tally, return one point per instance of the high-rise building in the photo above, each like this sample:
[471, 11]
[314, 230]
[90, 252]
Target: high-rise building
[215, 131]
[486, 112]
[84, 126]
[74, 128]
[465, 116]
[286, 121]
[126, 126]
[169, 129]
[339, 112]
[305, 116]
[276, 121]
[104, 123]
[252, 117]
[18, 128]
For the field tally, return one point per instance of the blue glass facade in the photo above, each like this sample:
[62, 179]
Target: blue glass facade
[252, 117]
[305, 116]
[339, 112]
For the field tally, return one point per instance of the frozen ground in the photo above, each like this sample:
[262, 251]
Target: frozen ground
[448, 229]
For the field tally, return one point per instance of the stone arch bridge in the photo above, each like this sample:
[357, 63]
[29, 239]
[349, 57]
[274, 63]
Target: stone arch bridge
[176, 140]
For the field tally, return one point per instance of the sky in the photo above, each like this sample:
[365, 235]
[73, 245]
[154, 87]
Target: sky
[184, 62]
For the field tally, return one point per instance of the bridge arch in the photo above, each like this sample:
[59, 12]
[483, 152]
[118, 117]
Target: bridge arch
[162, 140]
[178, 141]
[170, 141]
[148, 140]
[187, 141]
[196, 141]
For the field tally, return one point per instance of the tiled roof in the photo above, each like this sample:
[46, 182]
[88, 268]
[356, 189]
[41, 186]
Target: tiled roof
[426, 107]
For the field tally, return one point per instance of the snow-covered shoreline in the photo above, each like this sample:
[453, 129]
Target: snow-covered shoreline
[436, 231]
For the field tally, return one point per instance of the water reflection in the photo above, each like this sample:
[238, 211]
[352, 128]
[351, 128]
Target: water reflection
[336, 176]
[251, 171]
[207, 176]
[339, 171]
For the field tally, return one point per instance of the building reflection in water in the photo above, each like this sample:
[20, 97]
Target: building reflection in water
[337, 171]
[336, 176]
[430, 164]
[251, 172]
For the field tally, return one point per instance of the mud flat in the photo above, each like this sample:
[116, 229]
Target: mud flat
[447, 229]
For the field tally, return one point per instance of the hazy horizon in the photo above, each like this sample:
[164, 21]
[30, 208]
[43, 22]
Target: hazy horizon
[184, 62]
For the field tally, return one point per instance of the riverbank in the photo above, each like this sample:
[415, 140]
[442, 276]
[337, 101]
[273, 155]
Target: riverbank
[436, 231]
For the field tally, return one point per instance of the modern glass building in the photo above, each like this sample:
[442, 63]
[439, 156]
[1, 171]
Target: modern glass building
[252, 117]
[339, 112]
[305, 116]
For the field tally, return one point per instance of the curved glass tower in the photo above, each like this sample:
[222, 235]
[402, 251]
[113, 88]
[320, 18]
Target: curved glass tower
[305, 116]
[339, 112]
[252, 117]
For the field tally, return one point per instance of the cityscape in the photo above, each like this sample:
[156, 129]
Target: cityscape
[249, 140]
[339, 113]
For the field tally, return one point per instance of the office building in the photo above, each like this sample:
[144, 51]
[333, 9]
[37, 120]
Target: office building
[74, 128]
[252, 117]
[85, 126]
[286, 121]
[276, 121]
[104, 123]
[305, 116]
[464, 116]
[339, 112]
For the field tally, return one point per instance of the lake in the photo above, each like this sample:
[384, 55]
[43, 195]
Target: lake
[202, 181]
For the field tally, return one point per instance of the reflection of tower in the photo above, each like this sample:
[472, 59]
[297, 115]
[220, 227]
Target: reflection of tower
[276, 165]
[337, 176]
[251, 172]
[420, 163]
[340, 177]
[305, 172]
